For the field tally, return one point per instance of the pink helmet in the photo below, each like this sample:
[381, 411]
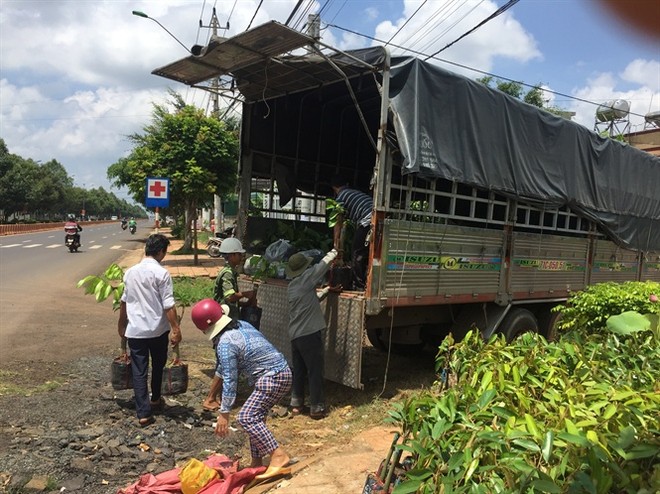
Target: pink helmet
[206, 313]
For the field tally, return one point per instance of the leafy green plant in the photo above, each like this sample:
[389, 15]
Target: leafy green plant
[334, 210]
[577, 415]
[590, 308]
[187, 290]
[104, 285]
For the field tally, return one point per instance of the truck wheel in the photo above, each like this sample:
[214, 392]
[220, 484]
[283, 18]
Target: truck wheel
[378, 339]
[517, 322]
[548, 322]
[373, 335]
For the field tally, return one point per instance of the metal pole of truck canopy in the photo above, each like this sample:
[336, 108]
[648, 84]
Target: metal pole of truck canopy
[353, 97]
[379, 170]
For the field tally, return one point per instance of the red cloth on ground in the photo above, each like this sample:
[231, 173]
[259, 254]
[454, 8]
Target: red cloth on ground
[232, 480]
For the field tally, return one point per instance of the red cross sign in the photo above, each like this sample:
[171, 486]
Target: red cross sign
[158, 192]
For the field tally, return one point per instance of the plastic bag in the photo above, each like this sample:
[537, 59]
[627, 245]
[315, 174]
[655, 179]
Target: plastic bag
[254, 265]
[280, 250]
[195, 475]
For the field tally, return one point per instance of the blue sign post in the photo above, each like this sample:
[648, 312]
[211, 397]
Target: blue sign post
[158, 194]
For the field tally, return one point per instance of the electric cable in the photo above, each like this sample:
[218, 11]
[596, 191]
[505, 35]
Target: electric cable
[439, 35]
[301, 21]
[255, 15]
[444, 12]
[495, 14]
[232, 11]
[340, 9]
[293, 12]
[407, 21]
[199, 28]
[467, 67]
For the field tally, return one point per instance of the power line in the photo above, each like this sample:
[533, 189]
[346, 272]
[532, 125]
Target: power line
[483, 72]
[255, 15]
[407, 21]
[232, 11]
[293, 12]
[441, 34]
[339, 10]
[495, 14]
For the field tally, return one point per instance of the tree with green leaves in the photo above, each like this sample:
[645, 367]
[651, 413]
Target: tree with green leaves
[16, 184]
[199, 155]
[532, 97]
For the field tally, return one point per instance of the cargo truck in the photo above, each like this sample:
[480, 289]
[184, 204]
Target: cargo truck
[487, 212]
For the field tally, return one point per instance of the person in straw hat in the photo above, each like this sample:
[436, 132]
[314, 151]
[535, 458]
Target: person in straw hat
[242, 349]
[306, 325]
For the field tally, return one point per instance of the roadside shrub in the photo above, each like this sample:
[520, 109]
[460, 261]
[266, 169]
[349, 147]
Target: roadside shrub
[589, 310]
[110, 283]
[581, 415]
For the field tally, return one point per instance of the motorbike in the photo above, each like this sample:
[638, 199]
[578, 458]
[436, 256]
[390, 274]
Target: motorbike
[71, 241]
[213, 244]
[124, 225]
[132, 229]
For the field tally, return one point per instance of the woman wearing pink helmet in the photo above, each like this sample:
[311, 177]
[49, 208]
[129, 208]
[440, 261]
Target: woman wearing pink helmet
[242, 349]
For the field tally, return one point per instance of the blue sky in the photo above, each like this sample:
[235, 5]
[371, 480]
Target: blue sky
[75, 74]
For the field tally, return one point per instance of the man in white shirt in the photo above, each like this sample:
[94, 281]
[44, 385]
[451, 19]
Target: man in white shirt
[146, 314]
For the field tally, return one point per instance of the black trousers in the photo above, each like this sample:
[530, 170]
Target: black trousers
[360, 256]
[308, 363]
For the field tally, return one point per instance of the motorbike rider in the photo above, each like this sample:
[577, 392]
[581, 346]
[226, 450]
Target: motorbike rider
[132, 224]
[124, 222]
[71, 227]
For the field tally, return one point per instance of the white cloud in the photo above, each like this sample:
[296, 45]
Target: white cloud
[604, 87]
[643, 72]
[437, 24]
[371, 13]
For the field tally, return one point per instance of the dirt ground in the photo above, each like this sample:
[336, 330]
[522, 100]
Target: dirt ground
[43, 421]
[50, 402]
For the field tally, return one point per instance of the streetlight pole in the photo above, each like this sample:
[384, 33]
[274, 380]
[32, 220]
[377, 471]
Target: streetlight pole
[142, 14]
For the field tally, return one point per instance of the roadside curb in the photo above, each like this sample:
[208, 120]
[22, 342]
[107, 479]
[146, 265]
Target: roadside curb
[178, 265]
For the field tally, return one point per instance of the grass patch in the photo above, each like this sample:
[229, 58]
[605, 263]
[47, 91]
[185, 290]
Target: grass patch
[13, 383]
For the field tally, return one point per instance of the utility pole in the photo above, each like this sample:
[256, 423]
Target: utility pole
[314, 28]
[217, 200]
[215, 87]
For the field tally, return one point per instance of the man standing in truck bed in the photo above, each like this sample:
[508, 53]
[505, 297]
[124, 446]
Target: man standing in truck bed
[357, 206]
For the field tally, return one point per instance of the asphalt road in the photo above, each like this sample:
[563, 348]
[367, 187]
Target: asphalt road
[44, 317]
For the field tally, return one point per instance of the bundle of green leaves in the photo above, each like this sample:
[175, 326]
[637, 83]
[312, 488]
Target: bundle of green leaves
[187, 291]
[589, 309]
[579, 415]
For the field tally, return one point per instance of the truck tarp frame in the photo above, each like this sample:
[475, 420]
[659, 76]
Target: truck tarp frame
[452, 127]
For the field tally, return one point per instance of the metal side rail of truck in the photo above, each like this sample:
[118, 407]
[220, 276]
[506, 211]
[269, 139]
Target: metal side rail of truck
[487, 212]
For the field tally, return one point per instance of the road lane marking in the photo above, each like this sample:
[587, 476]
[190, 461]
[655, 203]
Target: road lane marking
[114, 247]
[54, 246]
[10, 245]
[95, 247]
[31, 246]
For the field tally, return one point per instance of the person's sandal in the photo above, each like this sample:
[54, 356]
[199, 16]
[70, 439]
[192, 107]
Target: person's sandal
[145, 421]
[318, 414]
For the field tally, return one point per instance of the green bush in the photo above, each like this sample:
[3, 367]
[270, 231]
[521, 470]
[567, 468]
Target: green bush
[590, 309]
[581, 415]
[187, 291]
